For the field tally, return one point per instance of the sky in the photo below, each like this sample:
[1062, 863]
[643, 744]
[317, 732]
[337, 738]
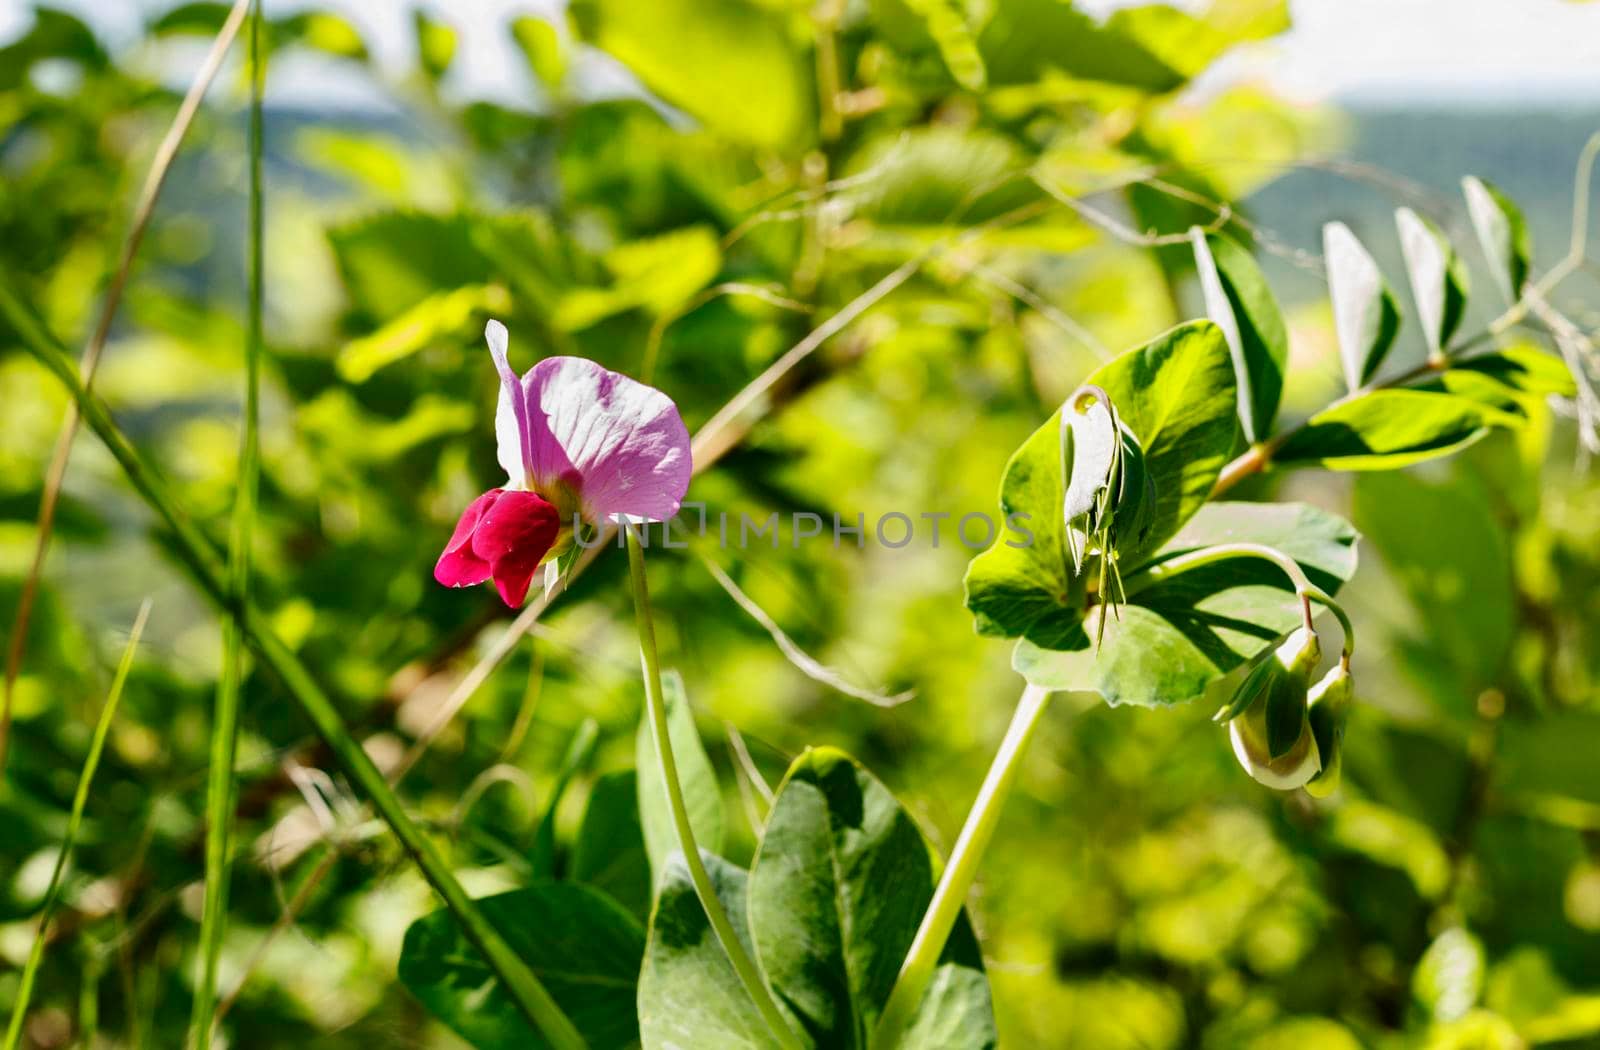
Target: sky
[1476, 51]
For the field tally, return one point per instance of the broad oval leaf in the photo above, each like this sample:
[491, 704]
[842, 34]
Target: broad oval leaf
[689, 994]
[1365, 317]
[1178, 635]
[1502, 234]
[583, 947]
[1176, 395]
[1388, 429]
[837, 890]
[1240, 303]
[732, 65]
[701, 794]
[1438, 277]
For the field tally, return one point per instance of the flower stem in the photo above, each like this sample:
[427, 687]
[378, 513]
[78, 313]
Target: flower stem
[221, 789]
[198, 555]
[951, 894]
[1304, 589]
[656, 705]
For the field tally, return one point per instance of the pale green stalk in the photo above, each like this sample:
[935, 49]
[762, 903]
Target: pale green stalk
[52, 896]
[655, 704]
[201, 559]
[945, 907]
[221, 787]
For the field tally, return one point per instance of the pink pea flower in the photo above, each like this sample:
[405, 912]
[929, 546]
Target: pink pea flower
[580, 443]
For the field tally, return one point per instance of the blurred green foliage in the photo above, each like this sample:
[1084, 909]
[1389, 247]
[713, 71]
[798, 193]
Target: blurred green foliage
[772, 161]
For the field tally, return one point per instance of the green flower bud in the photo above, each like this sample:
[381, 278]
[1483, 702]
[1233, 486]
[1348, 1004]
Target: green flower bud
[1268, 721]
[1329, 704]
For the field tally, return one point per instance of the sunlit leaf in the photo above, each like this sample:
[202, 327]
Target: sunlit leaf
[457, 316]
[541, 45]
[732, 65]
[1365, 317]
[436, 43]
[1502, 234]
[1241, 304]
[1449, 976]
[1388, 429]
[1438, 277]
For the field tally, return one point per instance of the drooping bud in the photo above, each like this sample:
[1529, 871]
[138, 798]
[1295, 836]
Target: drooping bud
[1329, 706]
[1268, 720]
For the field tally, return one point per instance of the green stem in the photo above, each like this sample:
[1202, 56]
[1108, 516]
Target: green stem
[1304, 589]
[197, 554]
[80, 798]
[743, 965]
[959, 873]
[221, 788]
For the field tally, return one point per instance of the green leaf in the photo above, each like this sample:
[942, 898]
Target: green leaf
[1365, 317]
[1388, 429]
[541, 47]
[1525, 369]
[609, 853]
[689, 995]
[701, 795]
[1502, 234]
[947, 26]
[932, 177]
[1026, 39]
[456, 316]
[732, 65]
[436, 43]
[1449, 553]
[1239, 301]
[657, 274]
[585, 949]
[837, 890]
[1437, 274]
[1176, 394]
[318, 30]
[1180, 634]
[1449, 976]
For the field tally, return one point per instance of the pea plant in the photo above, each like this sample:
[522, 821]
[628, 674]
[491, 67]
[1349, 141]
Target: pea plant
[1133, 569]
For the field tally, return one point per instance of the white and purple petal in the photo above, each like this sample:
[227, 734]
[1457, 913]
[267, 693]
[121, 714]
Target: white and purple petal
[618, 444]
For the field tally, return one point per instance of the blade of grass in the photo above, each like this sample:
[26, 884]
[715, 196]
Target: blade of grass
[143, 209]
[221, 788]
[201, 559]
[52, 896]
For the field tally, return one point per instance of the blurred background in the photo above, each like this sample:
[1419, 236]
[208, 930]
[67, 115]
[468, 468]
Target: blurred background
[598, 177]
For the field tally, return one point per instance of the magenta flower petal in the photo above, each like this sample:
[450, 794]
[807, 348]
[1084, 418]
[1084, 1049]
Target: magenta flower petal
[512, 537]
[458, 566]
[618, 444]
[502, 535]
